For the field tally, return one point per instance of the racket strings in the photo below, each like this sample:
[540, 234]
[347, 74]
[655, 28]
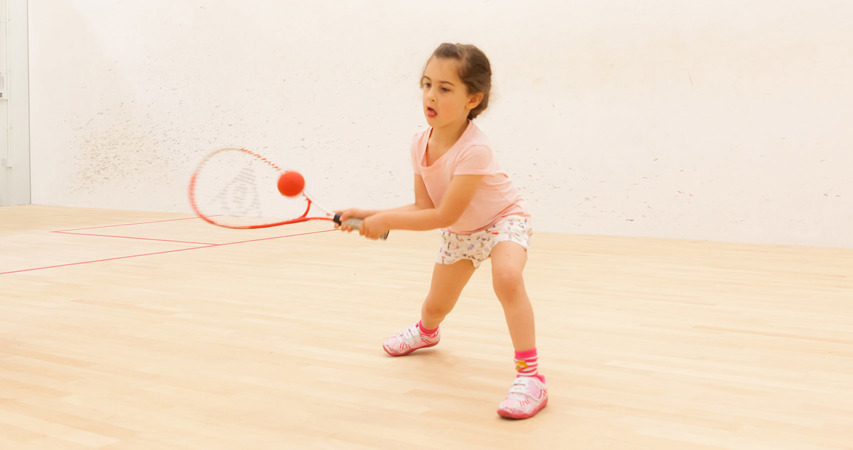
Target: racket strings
[237, 188]
[240, 197]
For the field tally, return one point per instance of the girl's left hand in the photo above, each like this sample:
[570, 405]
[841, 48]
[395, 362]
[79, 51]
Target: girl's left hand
[373, 227]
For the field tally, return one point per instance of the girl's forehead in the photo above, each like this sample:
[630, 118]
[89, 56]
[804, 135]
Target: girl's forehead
[442, 69]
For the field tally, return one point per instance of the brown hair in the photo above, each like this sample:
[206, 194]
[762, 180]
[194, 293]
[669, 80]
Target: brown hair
[474, 70]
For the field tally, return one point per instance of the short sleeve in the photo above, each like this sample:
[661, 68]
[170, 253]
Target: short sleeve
[417, 155]
[475, 160]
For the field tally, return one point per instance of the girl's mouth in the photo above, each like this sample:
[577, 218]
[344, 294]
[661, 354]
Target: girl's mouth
[431, 112]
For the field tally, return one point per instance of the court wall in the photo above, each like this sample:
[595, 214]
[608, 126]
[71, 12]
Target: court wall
[723, 120]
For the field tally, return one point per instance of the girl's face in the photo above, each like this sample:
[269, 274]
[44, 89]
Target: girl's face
[445, 97]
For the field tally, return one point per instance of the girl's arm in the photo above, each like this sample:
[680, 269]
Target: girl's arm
[422, 201]
[424, 215]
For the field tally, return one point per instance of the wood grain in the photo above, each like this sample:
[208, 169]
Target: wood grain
[189, 339]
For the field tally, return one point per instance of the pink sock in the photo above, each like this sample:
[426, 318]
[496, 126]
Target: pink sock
[424, 330]
[527, 364]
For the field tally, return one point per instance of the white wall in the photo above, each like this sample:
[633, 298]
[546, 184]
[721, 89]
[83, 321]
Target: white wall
[722, 120]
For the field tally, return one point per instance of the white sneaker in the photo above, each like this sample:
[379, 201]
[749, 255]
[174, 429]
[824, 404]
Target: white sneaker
[409, 340]
[525, 398]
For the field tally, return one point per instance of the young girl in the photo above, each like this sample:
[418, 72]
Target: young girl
[460, 189]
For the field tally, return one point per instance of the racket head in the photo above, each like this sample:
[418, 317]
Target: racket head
[234, 187]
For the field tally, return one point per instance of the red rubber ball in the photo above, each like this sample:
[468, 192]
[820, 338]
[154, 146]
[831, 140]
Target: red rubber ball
[291, 184]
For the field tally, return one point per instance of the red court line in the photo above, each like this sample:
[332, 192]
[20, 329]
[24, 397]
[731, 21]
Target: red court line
[126, 224]
[102, 260]
[201, 246]
[130, 237]
[73, 231]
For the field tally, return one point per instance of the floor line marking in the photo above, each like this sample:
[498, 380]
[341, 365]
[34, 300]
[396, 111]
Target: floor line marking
[199, 245]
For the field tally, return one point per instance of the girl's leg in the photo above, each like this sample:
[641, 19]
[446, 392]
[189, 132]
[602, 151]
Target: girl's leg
[447, 284]
[445, 288]
[528, 393]
[508, 260]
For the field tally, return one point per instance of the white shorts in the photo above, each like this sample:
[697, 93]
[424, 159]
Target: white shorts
[478, 246]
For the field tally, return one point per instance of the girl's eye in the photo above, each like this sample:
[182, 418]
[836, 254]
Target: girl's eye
[427, 85]
[444, 89]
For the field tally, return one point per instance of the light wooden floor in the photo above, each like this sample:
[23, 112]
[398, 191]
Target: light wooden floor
[275, 343]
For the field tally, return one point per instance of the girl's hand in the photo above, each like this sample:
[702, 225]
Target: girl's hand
[373, 227]
[349, 214]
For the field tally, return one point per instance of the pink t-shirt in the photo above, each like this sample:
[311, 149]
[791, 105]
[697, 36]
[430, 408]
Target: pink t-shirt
[496, 198]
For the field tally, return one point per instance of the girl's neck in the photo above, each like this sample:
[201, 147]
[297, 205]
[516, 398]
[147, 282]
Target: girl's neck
[441, 139]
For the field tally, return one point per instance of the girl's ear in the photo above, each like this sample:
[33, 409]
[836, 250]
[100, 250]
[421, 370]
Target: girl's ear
[474, 100]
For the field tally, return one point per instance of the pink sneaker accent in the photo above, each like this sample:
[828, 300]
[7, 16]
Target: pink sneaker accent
[424, 330]
[409, 340]
[525, 398]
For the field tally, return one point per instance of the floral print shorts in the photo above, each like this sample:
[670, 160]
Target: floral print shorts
[477, 246]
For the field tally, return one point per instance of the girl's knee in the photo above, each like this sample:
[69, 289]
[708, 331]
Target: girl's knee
[507, 284]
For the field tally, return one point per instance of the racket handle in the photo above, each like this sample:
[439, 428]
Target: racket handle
[354, 223]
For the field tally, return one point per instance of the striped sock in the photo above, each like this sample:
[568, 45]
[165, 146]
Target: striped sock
[527, 363]
[425, 331]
